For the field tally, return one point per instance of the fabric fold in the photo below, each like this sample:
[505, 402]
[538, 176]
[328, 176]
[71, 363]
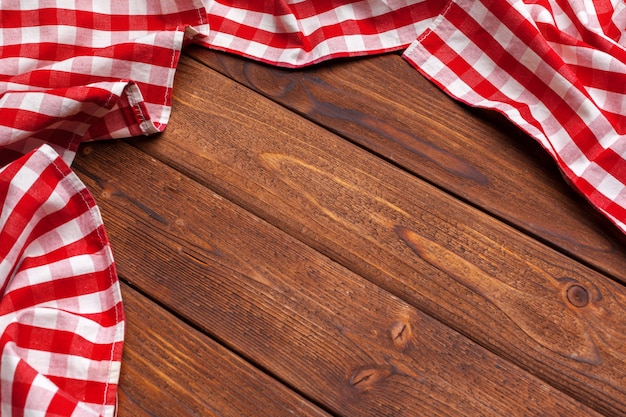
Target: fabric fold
[73, 72]
[61, 315]
[559, 73]
[298, 33]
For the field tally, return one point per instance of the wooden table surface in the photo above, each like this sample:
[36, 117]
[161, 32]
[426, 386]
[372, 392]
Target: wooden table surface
[346, 240]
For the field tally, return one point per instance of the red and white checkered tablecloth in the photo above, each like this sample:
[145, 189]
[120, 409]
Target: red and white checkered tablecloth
[73, 71]
[557, 69]
[298, 33]
[60, 313]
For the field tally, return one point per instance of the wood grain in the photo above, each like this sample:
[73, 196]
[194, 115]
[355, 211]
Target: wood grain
[392, 228]
[321, 329]
[170, 369]
[386, 106]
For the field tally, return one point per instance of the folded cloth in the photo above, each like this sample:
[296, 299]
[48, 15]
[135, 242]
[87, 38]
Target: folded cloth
[72, 71]
[304, 32]
[557, 69]
[61, 317]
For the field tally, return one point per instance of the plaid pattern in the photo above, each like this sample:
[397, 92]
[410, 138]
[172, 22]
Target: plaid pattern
[73, 71]
[61, 317]
[557, 69]
[297, 33]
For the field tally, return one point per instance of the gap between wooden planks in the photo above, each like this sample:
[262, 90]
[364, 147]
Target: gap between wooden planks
[380, 222]
[171, 369]
[338, 339]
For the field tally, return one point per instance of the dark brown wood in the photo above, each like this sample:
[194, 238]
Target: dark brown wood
[386, 106]
[170, 369]
[323, 330]
[475, 274]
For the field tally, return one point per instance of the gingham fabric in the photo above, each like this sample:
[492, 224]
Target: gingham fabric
[61, 317]
[557, 69]
[298, 33]
[74, 70]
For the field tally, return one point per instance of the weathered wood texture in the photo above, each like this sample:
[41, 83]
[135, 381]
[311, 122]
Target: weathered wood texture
[170, 369]
[456, 263]
[383, 104]
[320, 328]
[428, 265]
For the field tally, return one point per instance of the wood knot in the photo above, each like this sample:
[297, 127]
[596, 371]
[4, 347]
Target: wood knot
[400, 334]
[108, 191]
[365, 379]
[578, 296]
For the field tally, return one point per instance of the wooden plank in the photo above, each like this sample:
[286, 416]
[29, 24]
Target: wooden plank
[321, 329]
[482, 278]
[170, 369]
[386, 106]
